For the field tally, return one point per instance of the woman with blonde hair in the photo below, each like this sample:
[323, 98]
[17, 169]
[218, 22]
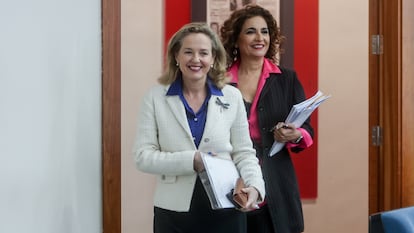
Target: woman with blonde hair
[194, 111]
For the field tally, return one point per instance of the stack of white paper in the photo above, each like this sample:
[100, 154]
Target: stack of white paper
[298, 115]
[218, 178]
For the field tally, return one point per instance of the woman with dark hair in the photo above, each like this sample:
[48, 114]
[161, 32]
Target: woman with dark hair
[252, 40]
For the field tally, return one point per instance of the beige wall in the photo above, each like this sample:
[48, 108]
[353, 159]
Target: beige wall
[141, 49]
[342, 203]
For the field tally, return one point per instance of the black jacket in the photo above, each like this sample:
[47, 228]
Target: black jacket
[279, 94]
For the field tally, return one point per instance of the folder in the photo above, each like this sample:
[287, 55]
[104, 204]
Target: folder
[218, 178]
[298, 115]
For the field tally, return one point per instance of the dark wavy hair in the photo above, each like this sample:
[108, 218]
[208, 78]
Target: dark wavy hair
[231, 29]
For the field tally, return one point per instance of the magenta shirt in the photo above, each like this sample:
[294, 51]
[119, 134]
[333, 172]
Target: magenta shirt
[268, 67]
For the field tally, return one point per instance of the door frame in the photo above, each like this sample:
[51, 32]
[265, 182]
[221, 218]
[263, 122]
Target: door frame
[111, 115]
[375, 180]
[391, 106]
[385, 107]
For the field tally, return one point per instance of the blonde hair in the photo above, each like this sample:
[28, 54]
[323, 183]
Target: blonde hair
[217, 73]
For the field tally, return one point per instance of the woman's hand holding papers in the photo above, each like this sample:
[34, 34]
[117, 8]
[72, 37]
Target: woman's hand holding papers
[198, 161]
[284, 132]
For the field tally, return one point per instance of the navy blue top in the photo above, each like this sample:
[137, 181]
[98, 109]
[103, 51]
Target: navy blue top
[197, 120]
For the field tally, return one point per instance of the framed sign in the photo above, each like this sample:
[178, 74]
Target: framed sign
[218, 10]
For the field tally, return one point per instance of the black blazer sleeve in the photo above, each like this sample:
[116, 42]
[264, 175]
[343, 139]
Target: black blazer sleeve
[279, 94]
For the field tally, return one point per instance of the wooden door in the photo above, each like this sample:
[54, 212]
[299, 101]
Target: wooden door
[391, 103]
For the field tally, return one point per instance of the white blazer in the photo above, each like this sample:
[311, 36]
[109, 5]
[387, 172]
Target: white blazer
[164, 144]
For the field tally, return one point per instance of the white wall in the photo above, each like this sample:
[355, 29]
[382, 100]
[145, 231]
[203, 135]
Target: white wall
[50, 111]
[342, 203]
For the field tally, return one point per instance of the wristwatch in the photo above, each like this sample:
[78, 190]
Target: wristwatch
[297, 141]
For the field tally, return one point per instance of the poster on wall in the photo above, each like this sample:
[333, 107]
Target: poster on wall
[219, 10]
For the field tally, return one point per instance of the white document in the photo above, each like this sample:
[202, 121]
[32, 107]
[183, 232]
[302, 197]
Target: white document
[298, 115]
[218, 178]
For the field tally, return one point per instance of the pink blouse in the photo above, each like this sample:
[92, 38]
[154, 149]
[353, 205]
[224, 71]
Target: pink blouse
[268, 67]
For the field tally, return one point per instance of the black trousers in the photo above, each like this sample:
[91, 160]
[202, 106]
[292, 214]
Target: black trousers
[259, 221]
[200, 218]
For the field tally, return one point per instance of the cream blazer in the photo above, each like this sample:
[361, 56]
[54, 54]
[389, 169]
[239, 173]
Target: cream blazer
[164, 145]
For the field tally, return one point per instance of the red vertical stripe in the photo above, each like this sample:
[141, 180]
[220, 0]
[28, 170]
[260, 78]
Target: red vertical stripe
[306, 65]
[177, 13]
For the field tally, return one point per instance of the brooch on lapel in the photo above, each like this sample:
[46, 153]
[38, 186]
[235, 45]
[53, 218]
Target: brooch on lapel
[222, 104]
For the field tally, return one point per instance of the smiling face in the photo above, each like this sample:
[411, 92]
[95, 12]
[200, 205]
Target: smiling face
[254, 38]
[195, 56]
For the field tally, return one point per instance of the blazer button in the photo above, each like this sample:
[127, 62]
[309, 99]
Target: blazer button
[162, 177]
[206, 140]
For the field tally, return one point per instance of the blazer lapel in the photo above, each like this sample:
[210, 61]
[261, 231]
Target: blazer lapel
[214, 112]
[177, 108]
